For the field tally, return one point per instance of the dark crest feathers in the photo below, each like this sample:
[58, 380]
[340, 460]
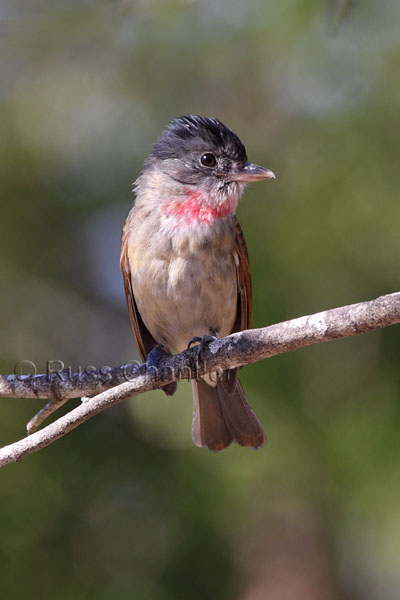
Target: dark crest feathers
[191, 132]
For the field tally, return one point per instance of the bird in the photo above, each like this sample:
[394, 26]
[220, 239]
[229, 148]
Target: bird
[186, 268]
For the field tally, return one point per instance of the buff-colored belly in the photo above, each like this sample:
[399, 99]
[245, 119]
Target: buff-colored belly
[183, 294]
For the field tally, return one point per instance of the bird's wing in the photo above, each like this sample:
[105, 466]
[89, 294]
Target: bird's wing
[144, 339]
[244, 308]
[229, 379]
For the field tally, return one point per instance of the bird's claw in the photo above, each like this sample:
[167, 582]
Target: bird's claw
[152, 361]
[202, 341]
[155, 355]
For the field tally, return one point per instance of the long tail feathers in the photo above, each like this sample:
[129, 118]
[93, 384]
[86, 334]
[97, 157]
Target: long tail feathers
[222, 415]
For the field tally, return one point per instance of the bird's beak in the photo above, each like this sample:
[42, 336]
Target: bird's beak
[250, 173]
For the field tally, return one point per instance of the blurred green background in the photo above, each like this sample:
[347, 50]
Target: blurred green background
[125, 506]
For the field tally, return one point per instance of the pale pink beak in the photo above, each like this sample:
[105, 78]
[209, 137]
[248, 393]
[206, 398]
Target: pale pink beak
[250, 173]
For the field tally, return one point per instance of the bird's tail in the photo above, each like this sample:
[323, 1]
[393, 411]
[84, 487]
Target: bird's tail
[222, 415]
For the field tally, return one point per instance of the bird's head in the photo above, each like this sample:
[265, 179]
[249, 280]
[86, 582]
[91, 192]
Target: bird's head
[206, 161]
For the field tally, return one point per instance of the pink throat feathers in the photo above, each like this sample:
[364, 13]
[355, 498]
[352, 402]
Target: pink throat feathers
[193, 208]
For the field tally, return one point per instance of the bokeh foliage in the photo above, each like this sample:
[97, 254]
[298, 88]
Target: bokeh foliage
[125, 506]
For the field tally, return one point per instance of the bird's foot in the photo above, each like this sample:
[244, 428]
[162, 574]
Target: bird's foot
[155, 355]
[153, 358]
[203, 342]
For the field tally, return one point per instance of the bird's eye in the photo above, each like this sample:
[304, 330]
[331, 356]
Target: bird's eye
[208, 160]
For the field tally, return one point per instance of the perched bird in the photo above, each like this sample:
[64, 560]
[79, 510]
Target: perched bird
[185, 264]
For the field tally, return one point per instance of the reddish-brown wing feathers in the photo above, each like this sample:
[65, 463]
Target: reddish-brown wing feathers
[244, 310]
[144, 339]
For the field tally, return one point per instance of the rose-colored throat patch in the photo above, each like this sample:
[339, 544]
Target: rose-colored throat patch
[192, 208]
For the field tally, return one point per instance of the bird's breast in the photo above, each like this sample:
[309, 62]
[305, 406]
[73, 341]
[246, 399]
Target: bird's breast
[184, 280]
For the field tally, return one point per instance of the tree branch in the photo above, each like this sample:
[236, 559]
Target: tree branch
[113, 385]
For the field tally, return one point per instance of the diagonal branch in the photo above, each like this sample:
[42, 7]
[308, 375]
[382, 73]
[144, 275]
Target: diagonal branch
[113, 385]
